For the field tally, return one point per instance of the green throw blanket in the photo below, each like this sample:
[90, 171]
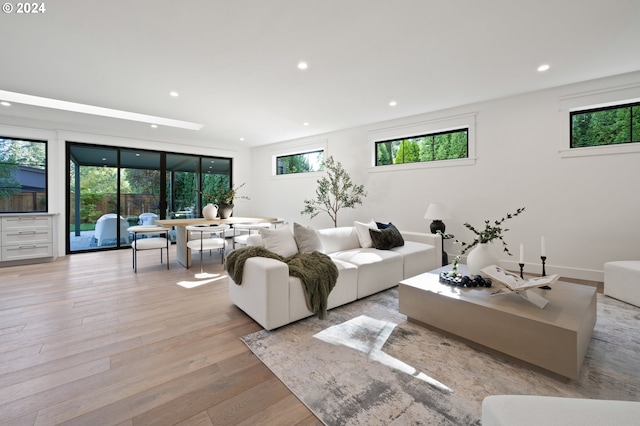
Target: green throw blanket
[316, 270]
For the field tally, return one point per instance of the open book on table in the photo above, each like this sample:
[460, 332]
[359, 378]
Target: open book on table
[513, 282]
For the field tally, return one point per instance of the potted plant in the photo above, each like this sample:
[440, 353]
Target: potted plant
[223, 196]
[334, 191]
[481, 255]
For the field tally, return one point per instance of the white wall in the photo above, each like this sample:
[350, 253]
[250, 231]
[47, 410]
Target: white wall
[587, 207]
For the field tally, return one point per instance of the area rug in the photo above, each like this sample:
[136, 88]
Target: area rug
[367, 365]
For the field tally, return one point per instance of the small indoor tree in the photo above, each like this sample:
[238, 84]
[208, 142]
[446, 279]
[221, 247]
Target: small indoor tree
[336, 190]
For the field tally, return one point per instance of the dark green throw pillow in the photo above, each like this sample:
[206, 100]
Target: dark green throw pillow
[386, 239]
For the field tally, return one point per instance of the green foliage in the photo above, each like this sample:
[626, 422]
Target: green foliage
[88, 202]
[222, 193]
[605, 127]
[440, 146]
[383, 154]
[336, 190]
[299, 163]
[13, 154]
[489, 233]
[8, 184]
[140, 181]
[408, 152]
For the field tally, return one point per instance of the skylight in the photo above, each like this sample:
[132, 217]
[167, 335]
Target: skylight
[95, 110]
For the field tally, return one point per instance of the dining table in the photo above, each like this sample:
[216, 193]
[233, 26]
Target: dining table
[183, 253]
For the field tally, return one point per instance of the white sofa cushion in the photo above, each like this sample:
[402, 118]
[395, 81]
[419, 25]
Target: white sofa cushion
[280, 241]
[362, 231]
[377, 269]
[338, 239]
[417, 258]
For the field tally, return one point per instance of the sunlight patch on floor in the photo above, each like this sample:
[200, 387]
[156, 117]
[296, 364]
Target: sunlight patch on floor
[203, 279]
[368, 335]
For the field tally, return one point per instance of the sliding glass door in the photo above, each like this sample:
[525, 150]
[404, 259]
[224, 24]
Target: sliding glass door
[111, 189]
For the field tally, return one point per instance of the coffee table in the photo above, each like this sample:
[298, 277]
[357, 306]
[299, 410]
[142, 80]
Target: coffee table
[555, 338]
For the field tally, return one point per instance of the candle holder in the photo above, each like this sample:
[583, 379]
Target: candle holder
[521, 269]
[544, 258]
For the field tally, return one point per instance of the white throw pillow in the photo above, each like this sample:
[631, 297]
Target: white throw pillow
[362, 230]
[306, 238]
[280, 241]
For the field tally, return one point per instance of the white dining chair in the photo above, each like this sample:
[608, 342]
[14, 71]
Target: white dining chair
[205, 237]
[149, 237]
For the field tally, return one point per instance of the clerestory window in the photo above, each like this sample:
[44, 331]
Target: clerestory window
[304, 162]
[611, 125]
[436, 146]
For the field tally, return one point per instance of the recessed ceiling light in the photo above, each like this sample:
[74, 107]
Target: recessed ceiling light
[154, 126]
[242, 139]
[543, 67]
[174, 93]
[21, 98]
[393, 103]
[303, 65]
[5, 103]
[305, 124]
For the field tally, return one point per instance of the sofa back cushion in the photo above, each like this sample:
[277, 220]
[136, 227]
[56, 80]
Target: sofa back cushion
[307, 239]
[339, 239]
[280, 241]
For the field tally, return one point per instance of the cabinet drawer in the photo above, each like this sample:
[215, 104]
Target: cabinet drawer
[26, 251]
[14, 223]
[26, 237]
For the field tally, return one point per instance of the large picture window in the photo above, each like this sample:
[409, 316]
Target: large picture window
[23, 175]
[300, 163]
[605, 126]
[437, 146]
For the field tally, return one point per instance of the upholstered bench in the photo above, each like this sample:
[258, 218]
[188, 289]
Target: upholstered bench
[529, 410]
[622, 281]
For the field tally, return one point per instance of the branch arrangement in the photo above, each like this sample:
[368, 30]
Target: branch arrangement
[489, 233]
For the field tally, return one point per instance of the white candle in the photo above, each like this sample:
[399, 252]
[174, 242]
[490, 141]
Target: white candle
[543, 248]
[522, 253]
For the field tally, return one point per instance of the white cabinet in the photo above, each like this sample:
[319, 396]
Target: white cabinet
[28, 236]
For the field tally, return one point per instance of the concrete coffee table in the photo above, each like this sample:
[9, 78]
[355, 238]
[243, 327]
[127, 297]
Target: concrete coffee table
[555, 338]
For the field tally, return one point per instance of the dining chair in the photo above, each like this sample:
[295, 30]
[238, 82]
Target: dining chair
[205, 237]
[149, 237]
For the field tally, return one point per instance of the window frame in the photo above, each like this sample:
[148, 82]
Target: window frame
[630, 105]
[434, 125]
[45, 172]
[284, 149]
[315, 151]
[604, 97]
[430, 134]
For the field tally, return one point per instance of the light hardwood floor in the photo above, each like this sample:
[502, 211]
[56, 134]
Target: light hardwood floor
[85, 341]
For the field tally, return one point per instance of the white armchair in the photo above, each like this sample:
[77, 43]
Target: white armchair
[106, 228]
[148, 219]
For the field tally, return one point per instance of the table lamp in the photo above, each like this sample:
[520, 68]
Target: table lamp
[436, 212]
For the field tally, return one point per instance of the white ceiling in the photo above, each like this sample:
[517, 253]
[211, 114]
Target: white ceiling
[234, 62]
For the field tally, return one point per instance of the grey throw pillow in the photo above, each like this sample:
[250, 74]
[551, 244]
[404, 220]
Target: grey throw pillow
[307, 239]
[386, 239]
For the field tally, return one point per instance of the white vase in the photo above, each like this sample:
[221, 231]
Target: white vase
[210, 211]
[480, 257]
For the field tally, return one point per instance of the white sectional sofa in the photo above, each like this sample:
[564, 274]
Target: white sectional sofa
[273, 299]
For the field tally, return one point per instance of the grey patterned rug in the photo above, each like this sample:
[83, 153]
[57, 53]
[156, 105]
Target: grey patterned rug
[367, 365]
